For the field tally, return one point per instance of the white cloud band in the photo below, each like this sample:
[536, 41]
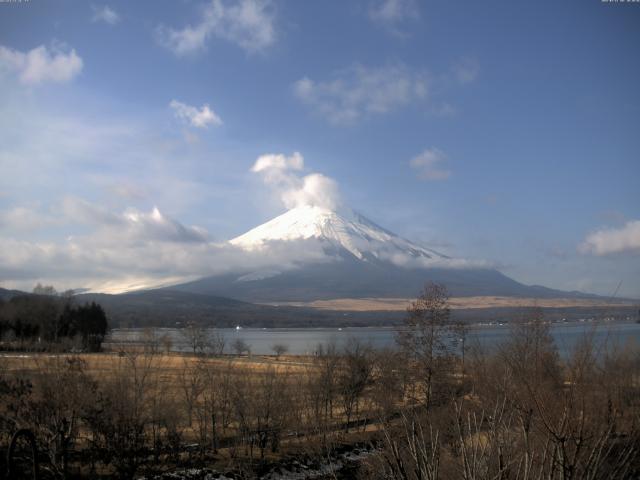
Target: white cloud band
[613, 240]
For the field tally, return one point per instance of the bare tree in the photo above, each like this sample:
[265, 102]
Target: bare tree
[240, 346]
[57, 404]
[322, 388]
[191, 385]
[120, 414]
[354, 377]
[411, 451]
[279, 349]
[166, 342]
[270, 401]
[425, 338]
[151, 340]
[390, 381]
[215, 400]
[216, 342]
[196, 337]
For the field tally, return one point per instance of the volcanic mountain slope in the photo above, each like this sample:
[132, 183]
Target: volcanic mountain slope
[341, 232]
[360, 260]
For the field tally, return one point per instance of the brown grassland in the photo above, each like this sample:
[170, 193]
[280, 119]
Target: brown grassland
[401, 304]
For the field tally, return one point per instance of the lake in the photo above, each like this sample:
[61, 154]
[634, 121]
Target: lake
[301, 341]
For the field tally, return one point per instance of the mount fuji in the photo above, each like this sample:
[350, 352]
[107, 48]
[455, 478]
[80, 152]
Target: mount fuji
[333, 254]
[345, 232]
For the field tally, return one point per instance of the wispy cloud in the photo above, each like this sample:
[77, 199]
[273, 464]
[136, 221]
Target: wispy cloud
[199, 118]
[360, 91]
[41, 64]
[247, 23]
[429, 165]
[607, 241]
[394, 14]
[105, 14]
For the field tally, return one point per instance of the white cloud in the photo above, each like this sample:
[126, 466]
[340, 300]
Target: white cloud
[608, 241]
[283, 174]
[157, 226]
[409, 261]
[360, 91]
[41, 64]
[247, 23]
[392, 13]
[134, 249]
[105, 14]
[199, 118]
[276, 167]
[130, 225]
[428, 164]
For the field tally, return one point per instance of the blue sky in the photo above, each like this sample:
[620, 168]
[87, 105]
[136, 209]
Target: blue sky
[498, 131]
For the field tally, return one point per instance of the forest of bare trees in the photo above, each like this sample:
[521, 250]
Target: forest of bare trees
[518, 411]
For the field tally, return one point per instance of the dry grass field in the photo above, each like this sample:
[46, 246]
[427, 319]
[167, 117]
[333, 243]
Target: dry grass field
[171, 366]
[238, 408]
[139, 410]
[401, 304]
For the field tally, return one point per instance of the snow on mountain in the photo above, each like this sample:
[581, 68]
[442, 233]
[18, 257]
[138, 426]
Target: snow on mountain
[344, 230]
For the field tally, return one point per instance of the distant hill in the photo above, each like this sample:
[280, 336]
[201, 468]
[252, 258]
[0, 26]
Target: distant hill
[8, 294]
[352, 278]
[167, 308]
[170, 308]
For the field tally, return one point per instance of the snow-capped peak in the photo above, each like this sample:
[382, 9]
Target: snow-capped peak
[346, 230]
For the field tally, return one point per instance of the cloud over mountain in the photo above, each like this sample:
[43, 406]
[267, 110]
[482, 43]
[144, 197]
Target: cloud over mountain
[284, 174]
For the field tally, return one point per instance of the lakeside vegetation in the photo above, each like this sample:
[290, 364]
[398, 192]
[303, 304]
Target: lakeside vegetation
[427, 410]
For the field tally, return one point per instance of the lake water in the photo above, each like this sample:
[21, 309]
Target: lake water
[302, 341]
